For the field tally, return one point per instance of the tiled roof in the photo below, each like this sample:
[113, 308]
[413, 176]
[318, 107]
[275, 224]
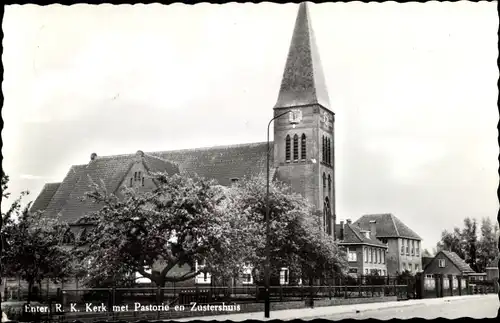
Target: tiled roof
[458, 262]
[353, 234]
[388, 226]
[222, 163]
[426, 261]
[44, 197]
[111, 170]
[303, 81]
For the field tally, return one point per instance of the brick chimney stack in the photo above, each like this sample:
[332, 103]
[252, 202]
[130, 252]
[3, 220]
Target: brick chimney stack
[348, 221]
[373, 228]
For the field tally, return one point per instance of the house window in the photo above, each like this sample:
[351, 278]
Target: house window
[410, 267]
[143, 181]
[329, 183]
[404, 266]
[131, 183]
[366, 254]
[383, 272]
[366, 271]
[383, 256]
[376, 256]
[287, 148]
[246, 279]
[353, 270]
[352, 255]
[284, 276]
[295, 147]
[441, 263]
[417, 251]
[407, 247]
[429, 276]
[324, 180]
[412, 247]
[416, 268]
[303, 147]
[402, 247]
[370, 255]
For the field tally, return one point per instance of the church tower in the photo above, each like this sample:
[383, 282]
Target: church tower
[304, 153]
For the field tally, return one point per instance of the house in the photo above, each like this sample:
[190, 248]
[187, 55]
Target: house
[492, 269]
[448, 263]
[365, 253]
[404, 245]
[446, 275]
[299, 156]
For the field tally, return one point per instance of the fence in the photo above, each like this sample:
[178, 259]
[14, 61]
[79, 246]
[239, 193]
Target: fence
[438, 285]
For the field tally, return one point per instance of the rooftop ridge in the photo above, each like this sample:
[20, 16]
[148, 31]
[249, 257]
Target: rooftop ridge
[254, 144]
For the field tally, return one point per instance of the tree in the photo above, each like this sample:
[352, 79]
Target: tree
[452, 241]
[176, 224]
[426, 253]
[487, 248]
[297, 241]
[32, 244]
[469, 238]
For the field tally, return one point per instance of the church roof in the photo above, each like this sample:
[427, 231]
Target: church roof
[388, 226]
[109, 170]
[43, 199]
[353, 235]
[221, 163]
[303, 81]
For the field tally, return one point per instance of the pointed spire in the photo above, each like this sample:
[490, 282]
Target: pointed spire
[303, 80]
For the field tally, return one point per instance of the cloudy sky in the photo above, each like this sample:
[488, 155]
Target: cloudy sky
[413, 87]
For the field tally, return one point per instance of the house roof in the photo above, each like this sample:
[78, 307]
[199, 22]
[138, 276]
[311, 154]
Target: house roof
[388, 226]
[222, 163]
[457, 261]
[303, 81]
[43, 199]
[353, 235]
[426, 261]
[109, 170]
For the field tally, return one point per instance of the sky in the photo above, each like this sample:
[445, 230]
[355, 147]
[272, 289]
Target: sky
[413, 87]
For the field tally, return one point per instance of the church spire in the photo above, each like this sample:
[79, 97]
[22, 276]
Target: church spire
[303, 82]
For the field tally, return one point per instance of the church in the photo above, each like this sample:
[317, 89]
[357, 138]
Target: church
[301, 155]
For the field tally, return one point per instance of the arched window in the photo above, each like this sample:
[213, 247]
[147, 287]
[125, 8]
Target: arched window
[329, 183]
[287, 148]
[328, 159]
[295, 147]
[324, 180]
[303, 147]
[323, 157]
[69, 237]
[327, 216]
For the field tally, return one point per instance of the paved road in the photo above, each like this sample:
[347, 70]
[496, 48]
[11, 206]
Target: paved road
[484, 307]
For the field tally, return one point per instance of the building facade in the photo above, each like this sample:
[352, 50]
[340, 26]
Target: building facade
[403, 244]
[366, 255]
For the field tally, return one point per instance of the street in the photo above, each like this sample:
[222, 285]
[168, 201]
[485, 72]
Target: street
[481, 307]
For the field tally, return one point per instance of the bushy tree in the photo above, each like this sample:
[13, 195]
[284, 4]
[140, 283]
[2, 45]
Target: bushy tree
[487, 245]
[297, 241]
[32, 245]
[175, 224]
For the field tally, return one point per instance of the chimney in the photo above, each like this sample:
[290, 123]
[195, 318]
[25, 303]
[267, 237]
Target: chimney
[373, 228]
[93, 156]
[348, 221]
[341, 234]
